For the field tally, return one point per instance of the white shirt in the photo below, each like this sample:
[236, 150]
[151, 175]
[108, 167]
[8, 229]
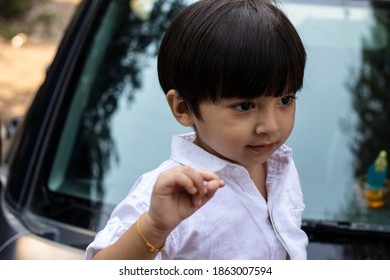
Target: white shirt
[237, 223]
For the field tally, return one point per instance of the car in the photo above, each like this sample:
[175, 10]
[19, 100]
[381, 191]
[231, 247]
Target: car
[99, 121]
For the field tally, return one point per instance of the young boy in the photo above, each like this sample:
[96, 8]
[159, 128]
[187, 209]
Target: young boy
[230, 69]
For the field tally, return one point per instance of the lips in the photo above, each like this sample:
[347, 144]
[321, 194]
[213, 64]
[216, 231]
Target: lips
[262, 149]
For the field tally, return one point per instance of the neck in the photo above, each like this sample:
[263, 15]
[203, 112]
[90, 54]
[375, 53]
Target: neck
[258, 175]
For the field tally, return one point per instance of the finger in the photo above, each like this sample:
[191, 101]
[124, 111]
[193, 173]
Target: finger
[211, 188]
[197, 178]
[184, 181]
[174, 180]
[208, 176]
[197, 200]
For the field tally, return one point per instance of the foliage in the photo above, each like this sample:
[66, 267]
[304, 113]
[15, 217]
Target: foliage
[370, 94]
[11, 9]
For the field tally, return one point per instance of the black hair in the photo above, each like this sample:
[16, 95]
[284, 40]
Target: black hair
[231, 48]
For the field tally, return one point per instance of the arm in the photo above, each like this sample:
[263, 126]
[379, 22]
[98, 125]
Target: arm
[177, 194]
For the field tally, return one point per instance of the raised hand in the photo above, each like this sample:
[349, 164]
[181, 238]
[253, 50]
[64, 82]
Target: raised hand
[178, 193]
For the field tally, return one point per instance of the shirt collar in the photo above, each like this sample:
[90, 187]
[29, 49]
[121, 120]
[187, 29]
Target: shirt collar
[185, 152]
[277, 163]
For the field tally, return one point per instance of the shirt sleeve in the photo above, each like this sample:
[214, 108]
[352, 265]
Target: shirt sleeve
[122, 218]
[127, 211]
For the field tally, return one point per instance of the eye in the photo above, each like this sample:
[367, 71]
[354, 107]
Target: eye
[242, 107]
[287, 100]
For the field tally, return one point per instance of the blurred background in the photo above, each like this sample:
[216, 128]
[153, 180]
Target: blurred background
[30, 31]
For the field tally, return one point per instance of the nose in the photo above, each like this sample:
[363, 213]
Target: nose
[267, 122]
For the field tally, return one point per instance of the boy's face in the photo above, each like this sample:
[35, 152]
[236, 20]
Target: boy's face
[245, 132]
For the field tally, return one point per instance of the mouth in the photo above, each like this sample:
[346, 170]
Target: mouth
[262, 149]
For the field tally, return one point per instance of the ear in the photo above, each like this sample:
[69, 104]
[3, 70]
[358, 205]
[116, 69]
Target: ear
[179, 109]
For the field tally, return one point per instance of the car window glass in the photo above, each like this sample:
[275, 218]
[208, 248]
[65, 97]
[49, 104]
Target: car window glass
[340, 121]
[119, 125]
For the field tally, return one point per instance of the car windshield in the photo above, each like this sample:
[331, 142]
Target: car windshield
[118, 125]
[342, 120]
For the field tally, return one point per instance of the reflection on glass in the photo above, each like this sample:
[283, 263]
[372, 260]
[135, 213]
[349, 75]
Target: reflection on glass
[113, 105]
[370, 93]
[142, 8]
[342, 116]
[320, 140]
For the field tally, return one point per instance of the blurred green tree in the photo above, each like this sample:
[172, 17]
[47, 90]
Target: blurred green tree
[11, 9]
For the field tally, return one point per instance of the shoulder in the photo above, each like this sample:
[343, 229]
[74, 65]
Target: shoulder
[143, 187]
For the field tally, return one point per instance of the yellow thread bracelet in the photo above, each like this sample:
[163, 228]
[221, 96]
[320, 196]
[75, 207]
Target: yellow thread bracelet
[151, 248]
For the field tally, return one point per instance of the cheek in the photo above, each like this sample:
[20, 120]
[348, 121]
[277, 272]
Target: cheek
[221, 136]
[288, 125]
[231, 140]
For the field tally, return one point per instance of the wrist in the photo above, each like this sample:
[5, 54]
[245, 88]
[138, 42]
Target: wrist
[159, 223]
[149, 245]
[152, 236]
